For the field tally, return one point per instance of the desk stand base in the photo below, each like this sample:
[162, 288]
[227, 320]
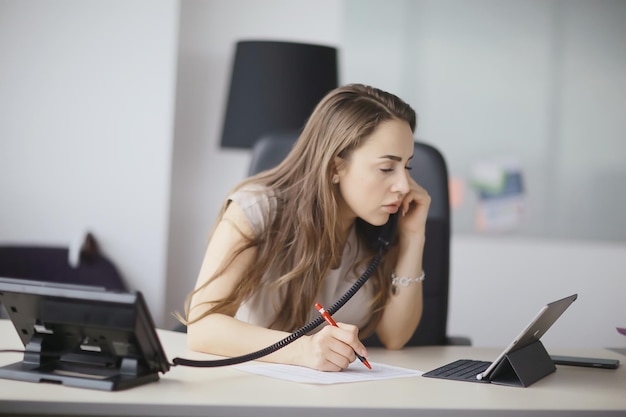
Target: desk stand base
[79, 378]
[523, 367]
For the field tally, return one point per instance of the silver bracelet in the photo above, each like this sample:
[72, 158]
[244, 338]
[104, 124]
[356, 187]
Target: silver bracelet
[397, 281]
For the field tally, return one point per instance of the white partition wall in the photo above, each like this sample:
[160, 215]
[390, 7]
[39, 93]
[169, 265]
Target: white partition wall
[86, 122]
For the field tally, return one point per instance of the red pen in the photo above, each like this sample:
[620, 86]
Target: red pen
[330, 321]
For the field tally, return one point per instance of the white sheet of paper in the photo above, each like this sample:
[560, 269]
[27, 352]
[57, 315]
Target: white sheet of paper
[356, 372]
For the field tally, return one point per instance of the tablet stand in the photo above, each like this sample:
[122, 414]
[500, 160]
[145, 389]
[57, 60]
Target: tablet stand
[524, 366]
[80, 370]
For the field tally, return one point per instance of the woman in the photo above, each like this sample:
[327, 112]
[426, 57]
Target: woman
[301, 233]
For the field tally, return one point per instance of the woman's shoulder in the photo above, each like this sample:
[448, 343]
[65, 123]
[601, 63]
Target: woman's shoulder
[257, 202]
[253, 194]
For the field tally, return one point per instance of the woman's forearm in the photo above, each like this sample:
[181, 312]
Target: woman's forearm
[223, 335]
[404, 309]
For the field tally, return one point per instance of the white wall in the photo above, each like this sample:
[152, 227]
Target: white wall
[86, 122]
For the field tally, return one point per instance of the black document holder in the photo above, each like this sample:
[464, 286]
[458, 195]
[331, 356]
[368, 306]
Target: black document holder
[524, 366]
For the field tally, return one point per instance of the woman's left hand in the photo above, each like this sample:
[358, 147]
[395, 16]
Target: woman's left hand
[413, 211]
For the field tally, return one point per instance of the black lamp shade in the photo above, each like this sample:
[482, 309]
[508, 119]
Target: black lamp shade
[274, 88]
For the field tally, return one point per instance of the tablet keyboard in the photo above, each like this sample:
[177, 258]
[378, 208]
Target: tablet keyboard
[461, 370]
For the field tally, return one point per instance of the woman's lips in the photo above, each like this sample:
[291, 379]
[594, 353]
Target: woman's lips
[391, 208]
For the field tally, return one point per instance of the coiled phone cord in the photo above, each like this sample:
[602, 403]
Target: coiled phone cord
[295, 335]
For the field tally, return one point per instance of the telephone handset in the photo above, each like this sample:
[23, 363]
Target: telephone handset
[381, 238]
[388, 231]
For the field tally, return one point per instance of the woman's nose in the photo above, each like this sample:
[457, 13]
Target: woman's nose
[401, 184]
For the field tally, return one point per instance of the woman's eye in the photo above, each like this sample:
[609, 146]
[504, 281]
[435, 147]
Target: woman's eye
[391, 169]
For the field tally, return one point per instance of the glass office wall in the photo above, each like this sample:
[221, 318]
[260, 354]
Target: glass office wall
[538, 85]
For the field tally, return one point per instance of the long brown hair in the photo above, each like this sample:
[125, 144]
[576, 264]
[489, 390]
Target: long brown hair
[303, 240]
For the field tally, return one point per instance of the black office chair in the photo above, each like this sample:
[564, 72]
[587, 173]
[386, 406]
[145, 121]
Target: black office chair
[429, 169]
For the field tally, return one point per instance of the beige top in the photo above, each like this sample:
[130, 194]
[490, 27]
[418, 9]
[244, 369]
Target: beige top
[261, 308]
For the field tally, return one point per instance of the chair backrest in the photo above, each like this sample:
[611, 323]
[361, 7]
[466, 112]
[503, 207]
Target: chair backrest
[270, 150]
[429, 169]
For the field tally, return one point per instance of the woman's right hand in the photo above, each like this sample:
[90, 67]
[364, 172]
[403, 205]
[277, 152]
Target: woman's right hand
[332, 348]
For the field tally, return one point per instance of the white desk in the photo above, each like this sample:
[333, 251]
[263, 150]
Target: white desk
[187, 391]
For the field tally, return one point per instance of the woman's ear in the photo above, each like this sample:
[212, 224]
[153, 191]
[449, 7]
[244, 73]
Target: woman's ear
[339, 166]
